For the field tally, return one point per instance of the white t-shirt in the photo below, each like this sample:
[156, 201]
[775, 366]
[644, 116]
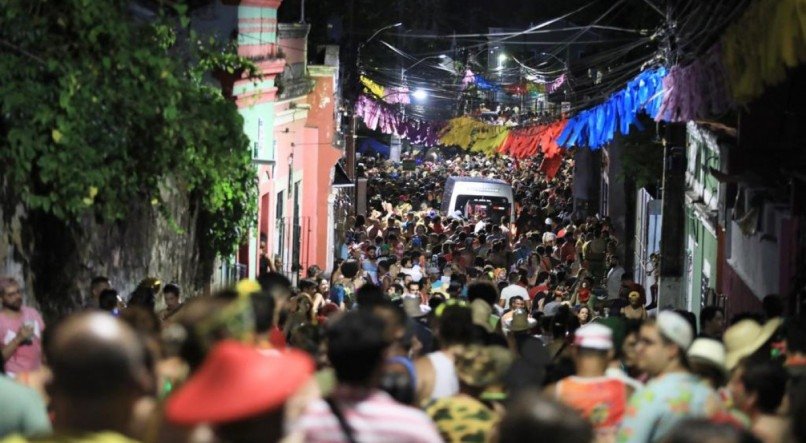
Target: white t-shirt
[415, 273]
[511, 291]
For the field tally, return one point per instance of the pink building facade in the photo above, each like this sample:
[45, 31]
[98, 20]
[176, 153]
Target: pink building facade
[289, 113]
[294, 226]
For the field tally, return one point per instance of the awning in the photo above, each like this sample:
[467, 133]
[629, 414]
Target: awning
[340, 178]
[372, 146]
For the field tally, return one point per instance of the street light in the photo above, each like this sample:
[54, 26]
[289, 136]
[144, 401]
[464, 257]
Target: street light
[403, 71]
[501, 59]
[420, 94]
[440, 56]
[374, 34]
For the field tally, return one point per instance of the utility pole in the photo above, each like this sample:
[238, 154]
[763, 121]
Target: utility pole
[350, 157]
[672, 262]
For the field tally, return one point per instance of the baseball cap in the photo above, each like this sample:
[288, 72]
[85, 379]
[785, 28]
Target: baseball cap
[594, 336]
[675, 328]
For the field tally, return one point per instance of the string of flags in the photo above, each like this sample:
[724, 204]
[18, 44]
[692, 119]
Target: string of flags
[746, 60]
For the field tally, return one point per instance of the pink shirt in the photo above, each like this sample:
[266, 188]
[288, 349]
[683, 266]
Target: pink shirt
[372, 415]
[27, 357]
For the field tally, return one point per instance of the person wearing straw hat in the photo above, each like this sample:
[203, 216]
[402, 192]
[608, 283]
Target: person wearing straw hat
[742, 340]
[601, 399]
[413, 307]
[746, 337]
[758, 387]
[516, 303]
[520, 322]
[706, 358]
[673, 394]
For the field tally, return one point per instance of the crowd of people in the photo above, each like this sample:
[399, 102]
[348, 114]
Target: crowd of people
[431, 326]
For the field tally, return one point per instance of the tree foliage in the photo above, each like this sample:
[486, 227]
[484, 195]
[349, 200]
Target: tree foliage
[642, 156]
[97, 111]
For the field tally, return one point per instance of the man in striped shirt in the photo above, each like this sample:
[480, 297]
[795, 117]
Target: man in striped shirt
[358, 411]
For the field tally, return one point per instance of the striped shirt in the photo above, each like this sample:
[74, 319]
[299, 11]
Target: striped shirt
[372, 415]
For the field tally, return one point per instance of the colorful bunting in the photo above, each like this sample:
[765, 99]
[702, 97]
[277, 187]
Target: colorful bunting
[697, 90]
[769, 38]
[551, 165]
[597, 126]
[553, 86]
[373, 88]
[397, 94]
[484, 85]
[472, 135]
[525, 142]
[379, 116]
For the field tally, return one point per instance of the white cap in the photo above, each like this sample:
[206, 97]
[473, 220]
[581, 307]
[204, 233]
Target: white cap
[675, 328]
[594, 336]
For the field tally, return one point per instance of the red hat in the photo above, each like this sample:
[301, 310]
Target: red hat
[235, 382]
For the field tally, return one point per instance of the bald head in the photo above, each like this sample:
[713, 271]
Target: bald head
[94, 355]
[531, 415]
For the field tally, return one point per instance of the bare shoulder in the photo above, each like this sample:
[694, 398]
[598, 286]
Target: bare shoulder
[425, 378]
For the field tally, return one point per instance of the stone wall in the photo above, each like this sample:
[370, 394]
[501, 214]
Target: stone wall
[56, 262]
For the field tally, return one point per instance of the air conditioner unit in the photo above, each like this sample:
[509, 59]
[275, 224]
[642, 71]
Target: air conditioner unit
[260, 156]
[338, 140]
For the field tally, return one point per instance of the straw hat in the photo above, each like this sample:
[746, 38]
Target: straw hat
[709, 351]
[520, 321]
[745, 338]
[413, 307]
[481, 312]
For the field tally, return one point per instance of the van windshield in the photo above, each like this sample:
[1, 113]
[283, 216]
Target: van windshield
[484, 207]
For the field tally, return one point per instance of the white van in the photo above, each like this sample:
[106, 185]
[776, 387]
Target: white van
[477, 196]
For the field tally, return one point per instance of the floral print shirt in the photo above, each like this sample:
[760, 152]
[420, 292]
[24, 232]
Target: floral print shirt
[666, 400]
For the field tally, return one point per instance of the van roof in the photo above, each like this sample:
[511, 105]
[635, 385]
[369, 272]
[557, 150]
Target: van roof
[476, 180]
